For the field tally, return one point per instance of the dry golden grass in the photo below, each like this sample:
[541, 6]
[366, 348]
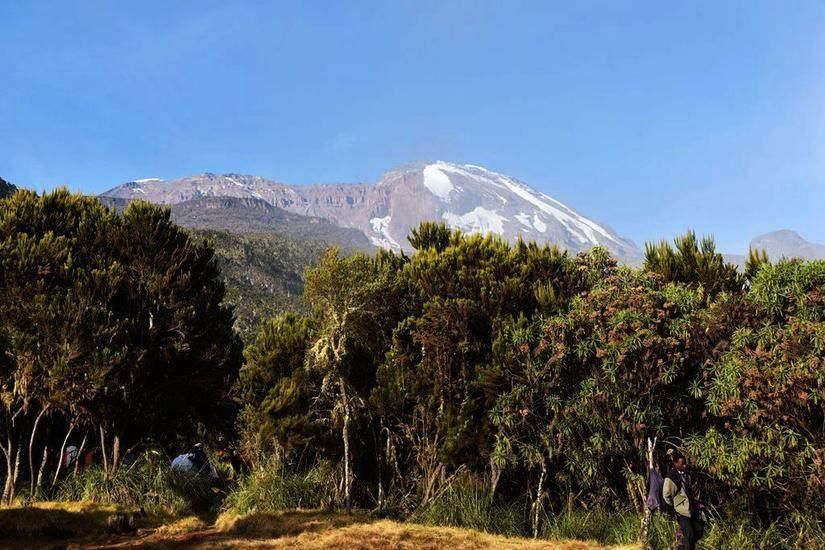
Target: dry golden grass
[54, 519]
[313, 530]
[83, 525]
[187, 524]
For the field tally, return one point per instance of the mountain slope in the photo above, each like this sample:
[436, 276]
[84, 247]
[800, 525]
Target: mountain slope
[6, 188]
[253, 215]
[467, 197]
[474, 199]
[263, 273]
[789, 244]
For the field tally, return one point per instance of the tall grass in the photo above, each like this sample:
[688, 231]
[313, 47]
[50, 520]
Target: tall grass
[270, 487]
[468, 504]
[605, 526]
[148, 484]
[736, 531]
[732, 532]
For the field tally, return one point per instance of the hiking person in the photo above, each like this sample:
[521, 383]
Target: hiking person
[681, 498]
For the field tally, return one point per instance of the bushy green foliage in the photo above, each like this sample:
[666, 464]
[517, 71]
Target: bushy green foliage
[475, 383]
[693, 262]
[275, 390]
[767, 394]
[6, 188]
[431, 235]
[113, 331]
[541, 375]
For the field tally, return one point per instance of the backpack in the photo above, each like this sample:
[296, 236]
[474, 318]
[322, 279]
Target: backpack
[654, 500]
[677, 480]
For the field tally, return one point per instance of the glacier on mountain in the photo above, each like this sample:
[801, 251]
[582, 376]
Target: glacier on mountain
[437, 182]
[384, 239]
[479, 220]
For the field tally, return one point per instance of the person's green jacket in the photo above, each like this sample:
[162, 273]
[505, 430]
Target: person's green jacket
[676, 497]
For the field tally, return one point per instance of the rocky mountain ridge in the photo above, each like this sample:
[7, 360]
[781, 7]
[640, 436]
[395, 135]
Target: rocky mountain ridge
[254, 215]
[465, 196]
[786, 243]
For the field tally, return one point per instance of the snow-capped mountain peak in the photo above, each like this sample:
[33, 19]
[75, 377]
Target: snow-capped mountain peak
[465, 196]
[476, 199]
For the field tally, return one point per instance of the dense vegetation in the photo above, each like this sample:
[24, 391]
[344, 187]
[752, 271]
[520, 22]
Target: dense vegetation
[113, 334]
[477, 383]
[533, 378]
[263, 273]
[6, 188]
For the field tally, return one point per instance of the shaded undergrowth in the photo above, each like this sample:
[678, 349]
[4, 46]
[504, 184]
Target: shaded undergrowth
[149, 485]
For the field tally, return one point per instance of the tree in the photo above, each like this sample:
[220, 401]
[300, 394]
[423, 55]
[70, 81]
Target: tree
[526, 410]
[112, 324]
[766, 397]
[430, 235]
[755, 261]
[6, 189]
[63, 339]
[439, 380]
[627, 361]
[180, 330]
[693, 262]
[274, 389]
[354, 298]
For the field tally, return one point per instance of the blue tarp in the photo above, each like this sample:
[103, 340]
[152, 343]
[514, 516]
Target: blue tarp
[194, 463]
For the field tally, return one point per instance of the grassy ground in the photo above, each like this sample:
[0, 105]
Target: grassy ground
[81, 525]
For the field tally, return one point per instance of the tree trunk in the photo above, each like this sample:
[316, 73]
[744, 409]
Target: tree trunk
[16, 472]
[115, 454]
[79, 456]
[537, 503]
[38, 486]
[31, 446]
[645, 528]
[495, 475]
[646, 515]
[61, 455]
[9, 453]
[380, 476]
[345, 434]
[103, 452]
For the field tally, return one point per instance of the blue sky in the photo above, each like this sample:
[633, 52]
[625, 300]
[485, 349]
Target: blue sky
[652, 117]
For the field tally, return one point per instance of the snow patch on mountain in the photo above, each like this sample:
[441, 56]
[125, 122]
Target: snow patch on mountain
[524, 219]
[539, 224]
[438, 182]
[479, 220]
[476, 173]
[147, 180]
[581, 229]
[384, 239]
